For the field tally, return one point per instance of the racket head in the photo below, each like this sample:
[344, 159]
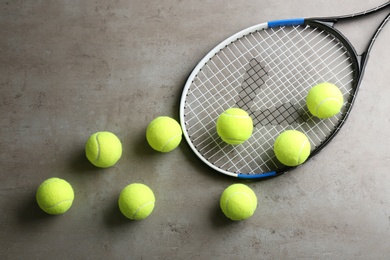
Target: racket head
[267, 70]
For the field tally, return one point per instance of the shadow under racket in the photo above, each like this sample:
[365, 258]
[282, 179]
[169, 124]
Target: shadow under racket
[273, 108]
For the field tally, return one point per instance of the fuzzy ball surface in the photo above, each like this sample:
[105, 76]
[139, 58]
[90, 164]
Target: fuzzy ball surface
[234, 126]
[238, 202]
[292, 148]
[55, 196]
[324, 100]
[103, 149]
[164, 134]
[136, 201]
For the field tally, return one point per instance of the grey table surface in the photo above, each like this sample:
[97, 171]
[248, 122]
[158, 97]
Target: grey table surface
[72, 68]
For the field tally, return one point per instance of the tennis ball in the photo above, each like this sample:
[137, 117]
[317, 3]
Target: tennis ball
[238, 202]
[136, 201]
[103, 149]
[292, 148]
[55, 196]
[163, 134]
[324, 100]
[234, 126]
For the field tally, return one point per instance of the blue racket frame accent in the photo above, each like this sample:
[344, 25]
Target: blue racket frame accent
[256, 176]
[286, 22]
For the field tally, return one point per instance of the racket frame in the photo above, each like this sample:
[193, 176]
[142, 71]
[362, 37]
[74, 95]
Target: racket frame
[326, 24]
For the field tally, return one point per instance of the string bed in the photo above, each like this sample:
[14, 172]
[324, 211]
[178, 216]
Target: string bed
[268, 73]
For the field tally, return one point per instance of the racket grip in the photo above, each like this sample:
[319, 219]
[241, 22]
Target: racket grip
[286, 22]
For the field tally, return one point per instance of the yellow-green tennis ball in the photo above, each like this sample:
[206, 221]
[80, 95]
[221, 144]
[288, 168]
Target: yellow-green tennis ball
[164, 134]
[103, 149]
[55, 196]
[324, 100]
[292, 148]
[238, 202]
[136, 201]
[234, 126]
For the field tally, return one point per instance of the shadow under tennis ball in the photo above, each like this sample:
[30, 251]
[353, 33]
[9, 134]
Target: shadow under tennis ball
[218, 219]
[142, 147]
[28, 212]
[113, 217]
[79, 164]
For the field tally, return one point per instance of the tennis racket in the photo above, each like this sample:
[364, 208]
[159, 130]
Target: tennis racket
[268, 70]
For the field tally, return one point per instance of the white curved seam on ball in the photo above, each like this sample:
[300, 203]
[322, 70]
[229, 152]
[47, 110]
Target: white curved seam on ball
[98, 148]
[169, 140]
[227, 201]
[143, 205]
[324, 100]
[300, 151]
[69, 200]
[50, 181]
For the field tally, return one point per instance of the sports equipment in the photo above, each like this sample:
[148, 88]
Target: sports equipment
[136, 201]
[238, 202]
[292, 148]
[234, 126]
[55, 196]
[267, 70]
[324, 100]
[163, 134]
[103, 149]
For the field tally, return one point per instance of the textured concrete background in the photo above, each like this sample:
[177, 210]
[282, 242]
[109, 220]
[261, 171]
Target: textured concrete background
[71, 68]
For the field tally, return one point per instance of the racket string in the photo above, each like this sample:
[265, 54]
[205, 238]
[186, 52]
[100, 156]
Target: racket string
[267, 73]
